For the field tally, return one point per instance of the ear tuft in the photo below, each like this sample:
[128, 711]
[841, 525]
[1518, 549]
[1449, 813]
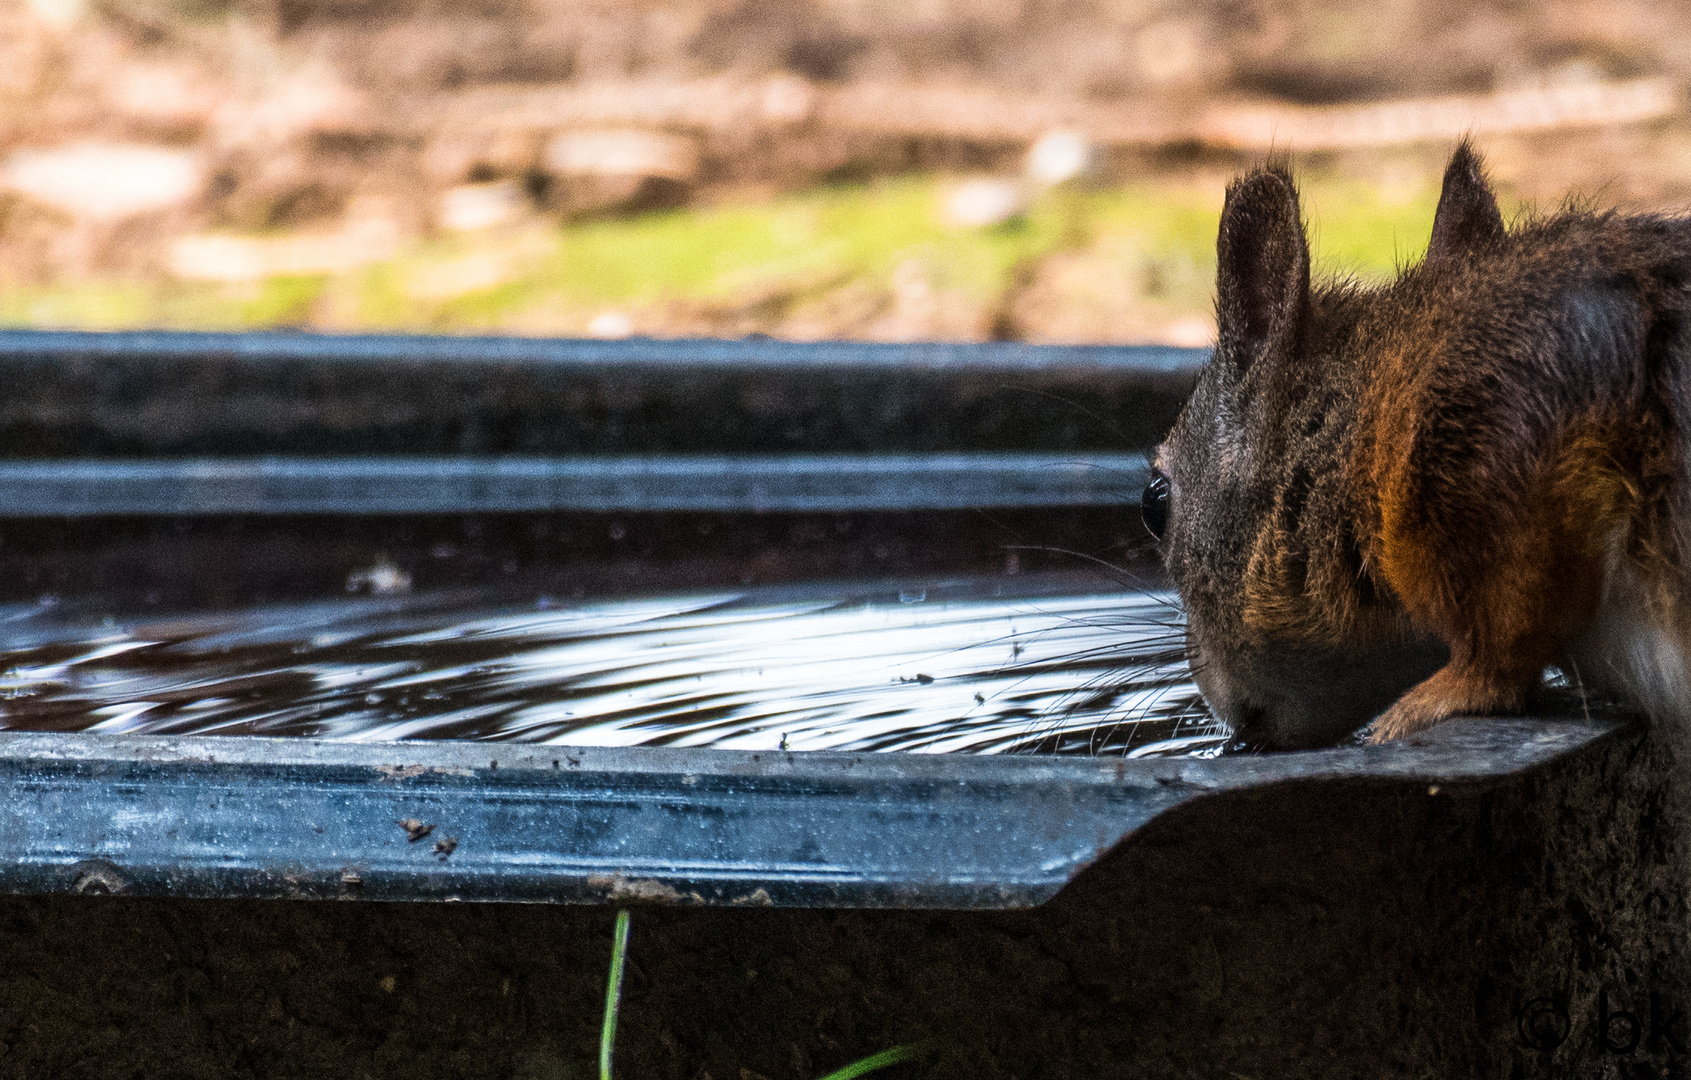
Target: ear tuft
[1262, 263]
[1468, 219]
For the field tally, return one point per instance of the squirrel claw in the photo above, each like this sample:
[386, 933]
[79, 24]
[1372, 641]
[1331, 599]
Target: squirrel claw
[1446, 693]
[1398, 722]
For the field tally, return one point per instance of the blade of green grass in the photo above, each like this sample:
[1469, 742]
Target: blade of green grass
[613, 994]
[891, 1056]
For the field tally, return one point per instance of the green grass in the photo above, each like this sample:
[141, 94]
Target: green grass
[613, 1006]
[554, 279]
[613, 994]
[119, 305]
[890, 1056]
[815, 240]
[1368, 230]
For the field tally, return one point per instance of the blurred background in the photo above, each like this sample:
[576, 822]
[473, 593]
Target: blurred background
[1039, 170]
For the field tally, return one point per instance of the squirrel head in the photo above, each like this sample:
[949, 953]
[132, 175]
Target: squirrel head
[1292, 641]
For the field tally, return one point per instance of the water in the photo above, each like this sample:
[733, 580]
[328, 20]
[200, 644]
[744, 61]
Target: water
[963, 666]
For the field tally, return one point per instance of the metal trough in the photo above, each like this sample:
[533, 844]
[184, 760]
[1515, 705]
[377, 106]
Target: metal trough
[212, 469]
[260, 817]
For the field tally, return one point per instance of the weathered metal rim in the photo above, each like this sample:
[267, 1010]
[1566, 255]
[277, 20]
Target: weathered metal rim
[261, 817]
[790, 483]
[735, 353]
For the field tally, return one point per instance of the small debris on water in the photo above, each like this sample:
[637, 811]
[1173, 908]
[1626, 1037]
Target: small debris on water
[414, 830]
[381, 579]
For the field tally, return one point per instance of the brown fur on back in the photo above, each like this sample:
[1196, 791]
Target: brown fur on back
[1515, 424]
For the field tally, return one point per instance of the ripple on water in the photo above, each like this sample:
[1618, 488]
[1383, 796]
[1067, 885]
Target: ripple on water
[937, 667]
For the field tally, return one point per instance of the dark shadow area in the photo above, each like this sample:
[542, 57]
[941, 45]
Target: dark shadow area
[181, 562]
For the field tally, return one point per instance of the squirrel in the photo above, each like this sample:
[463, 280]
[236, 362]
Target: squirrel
[1397, 504]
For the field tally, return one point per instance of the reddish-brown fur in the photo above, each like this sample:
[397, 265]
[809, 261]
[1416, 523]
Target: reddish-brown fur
[1417, 497]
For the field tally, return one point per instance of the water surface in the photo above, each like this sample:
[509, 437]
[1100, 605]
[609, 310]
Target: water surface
[995, 665]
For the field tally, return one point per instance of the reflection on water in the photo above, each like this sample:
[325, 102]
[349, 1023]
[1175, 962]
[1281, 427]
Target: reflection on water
[970, 667]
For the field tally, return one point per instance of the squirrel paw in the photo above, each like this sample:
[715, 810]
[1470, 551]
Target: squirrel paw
[1404, 719]
[1448, 692]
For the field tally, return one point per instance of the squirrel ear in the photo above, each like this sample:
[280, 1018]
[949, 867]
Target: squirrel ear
[1467, 217]
[1262, 262]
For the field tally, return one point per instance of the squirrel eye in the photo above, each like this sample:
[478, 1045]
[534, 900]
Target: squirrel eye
[1153, 505]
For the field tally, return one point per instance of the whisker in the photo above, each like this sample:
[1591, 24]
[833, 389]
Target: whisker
[1116, 572]
[1075, 405]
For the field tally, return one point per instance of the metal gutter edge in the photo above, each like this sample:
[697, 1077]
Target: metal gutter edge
[259, 817]
[737, 353]
[652, 483]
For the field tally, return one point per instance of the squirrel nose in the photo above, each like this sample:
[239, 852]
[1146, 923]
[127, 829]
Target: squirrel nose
[1249, 732]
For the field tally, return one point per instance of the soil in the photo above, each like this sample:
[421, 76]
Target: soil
[1311, 929]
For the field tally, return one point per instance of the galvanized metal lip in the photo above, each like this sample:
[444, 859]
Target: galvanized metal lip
[172, 395]
[737, 353]
[260, 817]
[802, 483]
